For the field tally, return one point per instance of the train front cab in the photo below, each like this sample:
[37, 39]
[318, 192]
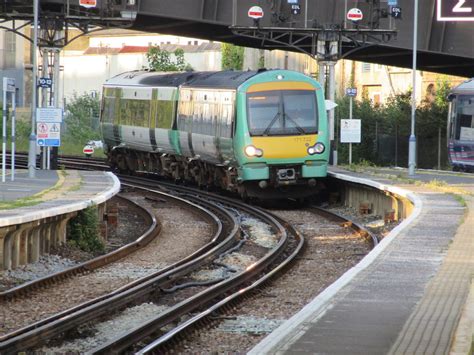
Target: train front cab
[281, 138]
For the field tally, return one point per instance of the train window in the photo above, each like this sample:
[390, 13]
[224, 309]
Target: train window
[108, 111]
[185, 115]
[135, 112]
[164, 112]
[206, 125]
[464, 128]
[282, 112]
[226, 123]
[109, 105]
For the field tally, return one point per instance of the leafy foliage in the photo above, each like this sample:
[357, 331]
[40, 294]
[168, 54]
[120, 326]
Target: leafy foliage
[80, 113]
[160, 60]
[84, 231]
[232, 57]
[386, 128]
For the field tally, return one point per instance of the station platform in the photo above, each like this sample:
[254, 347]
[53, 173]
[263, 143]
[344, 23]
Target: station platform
[52, 192]
[34, 211]
[412, 294]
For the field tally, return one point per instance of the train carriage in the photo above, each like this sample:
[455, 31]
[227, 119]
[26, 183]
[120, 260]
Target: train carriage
[260, 133]
[461, 127]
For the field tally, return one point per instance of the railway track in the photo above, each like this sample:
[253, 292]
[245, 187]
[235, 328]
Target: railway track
[225, 230]
[192, 310]
[151, 233]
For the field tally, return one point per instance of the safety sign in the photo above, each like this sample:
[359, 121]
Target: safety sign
[48, 134]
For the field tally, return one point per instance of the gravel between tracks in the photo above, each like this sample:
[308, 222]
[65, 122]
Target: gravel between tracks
[159, 253]
[330, 251]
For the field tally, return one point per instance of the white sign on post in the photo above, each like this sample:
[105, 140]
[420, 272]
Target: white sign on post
[8, 84]
[48, 126]
[49, 114]
[350, 131]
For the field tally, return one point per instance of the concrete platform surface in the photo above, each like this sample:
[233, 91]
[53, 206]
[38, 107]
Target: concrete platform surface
[52, 193]
[407, 296]
[24, 186]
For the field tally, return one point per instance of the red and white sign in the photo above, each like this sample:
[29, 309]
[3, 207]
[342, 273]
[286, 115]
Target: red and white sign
[255, 12]
[355, 14]
[88, 3]
[88, 150]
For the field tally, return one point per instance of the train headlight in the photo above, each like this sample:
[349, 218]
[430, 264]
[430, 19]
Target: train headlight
[318, 148]
[251, 151]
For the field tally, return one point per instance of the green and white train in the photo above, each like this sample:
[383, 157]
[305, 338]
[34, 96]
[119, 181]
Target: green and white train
[259, 133]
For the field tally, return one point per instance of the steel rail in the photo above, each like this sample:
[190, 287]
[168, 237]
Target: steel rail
[363, 232]
[151, 233]
[121, 344]
[36, 334]
[126, 340]
[157, 344]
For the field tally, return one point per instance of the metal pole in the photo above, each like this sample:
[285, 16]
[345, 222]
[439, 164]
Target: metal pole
[439, 148]
[56, 103]
[32, 142]
[332, 97]
[345, 14]
[412, 141]
[13, 137]
[350, 117]
[44, 100]
[234, 13]
[4, 136]
[306, 14]
[322, 74]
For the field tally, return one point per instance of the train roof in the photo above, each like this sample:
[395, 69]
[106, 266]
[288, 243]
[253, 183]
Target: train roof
[466, 87]
[228, 79]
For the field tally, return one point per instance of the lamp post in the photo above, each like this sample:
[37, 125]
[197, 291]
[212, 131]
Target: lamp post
[412, 140]
[32, 141]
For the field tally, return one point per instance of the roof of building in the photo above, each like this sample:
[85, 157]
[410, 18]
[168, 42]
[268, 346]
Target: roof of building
[203, 47]
[101, 51]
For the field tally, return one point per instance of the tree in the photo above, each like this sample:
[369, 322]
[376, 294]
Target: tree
[232, 57]
[160, 60]
[80, 113]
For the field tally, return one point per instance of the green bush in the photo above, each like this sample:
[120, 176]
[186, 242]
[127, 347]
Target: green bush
[386, 129]
[232, 57]
[84, 231]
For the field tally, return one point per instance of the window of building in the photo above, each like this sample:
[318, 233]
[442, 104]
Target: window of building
[366, 67]
[373, 93]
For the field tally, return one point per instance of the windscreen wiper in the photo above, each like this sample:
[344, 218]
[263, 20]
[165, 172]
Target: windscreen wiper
[265, 132]
[298, 127]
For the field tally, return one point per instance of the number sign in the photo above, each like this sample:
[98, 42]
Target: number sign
[296, 9]
[455, 10]
[351, 92]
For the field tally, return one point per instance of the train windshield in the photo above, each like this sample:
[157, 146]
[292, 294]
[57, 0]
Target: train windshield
[282, 112]
[463, 114]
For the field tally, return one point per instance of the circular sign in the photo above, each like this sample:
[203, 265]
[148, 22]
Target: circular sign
[88, 150]
[355, 14]
[255, 12]
[43, 128]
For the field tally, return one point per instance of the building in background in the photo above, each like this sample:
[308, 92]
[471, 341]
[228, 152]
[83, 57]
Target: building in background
[88, 62]
[15, 62]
